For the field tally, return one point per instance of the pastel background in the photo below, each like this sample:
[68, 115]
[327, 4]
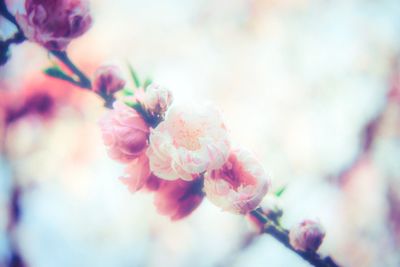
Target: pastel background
[312, 87]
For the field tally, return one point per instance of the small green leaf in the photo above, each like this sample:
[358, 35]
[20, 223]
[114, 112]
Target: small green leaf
[127, 92]
[147, 82]
[56, 72]
[134, 75]
[280, 191]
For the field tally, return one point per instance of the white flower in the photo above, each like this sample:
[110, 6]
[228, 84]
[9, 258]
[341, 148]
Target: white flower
[189, 141]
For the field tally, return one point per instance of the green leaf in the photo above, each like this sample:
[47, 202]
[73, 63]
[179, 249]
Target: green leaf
[134, 75]
[56, 72]
[147, 82]
[127, 92]
[280, 191]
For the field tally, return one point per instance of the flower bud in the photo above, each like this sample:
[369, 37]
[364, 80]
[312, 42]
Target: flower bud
[125, 133]
[156, 99]
[108, 80]
[307, 236]
[54, 23]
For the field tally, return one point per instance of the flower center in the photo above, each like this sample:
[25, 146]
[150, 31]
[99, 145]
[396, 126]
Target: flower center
[187, 137]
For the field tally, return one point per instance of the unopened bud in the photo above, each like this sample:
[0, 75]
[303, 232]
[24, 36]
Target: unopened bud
[307, 236]
[108, 80]
[156, 99]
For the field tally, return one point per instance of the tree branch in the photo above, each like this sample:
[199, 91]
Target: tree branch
[83, 81]
[282, 235]
[5, 13]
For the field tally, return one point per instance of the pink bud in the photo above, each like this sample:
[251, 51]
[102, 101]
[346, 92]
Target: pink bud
[156, 99]
[307, 236]
[54, 23]
[124, 132]
[108, 79]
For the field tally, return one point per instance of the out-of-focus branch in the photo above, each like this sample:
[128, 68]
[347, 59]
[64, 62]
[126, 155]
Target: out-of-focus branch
[282, 235]
[15, 258]
[17, 38]
[5, 13]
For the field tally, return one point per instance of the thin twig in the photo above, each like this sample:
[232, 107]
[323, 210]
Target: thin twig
[83, 81]
[282, 235]
[17, 38]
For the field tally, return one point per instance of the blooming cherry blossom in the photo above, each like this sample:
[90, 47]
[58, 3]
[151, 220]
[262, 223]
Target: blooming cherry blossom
[239, 185]
[190, 141]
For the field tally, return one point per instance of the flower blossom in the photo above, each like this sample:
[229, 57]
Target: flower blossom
[239, 185]
[175, 199]
[124, 132]
[137, 173]
[188, 142]
[178, 199]
[307, 236]
[108, 79]
[54, 23]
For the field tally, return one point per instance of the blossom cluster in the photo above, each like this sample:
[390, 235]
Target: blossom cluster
[181, 153]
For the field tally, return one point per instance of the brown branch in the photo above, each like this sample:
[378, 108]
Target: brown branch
[6, 14]
[282, 235]
[17, 38]
[82, 81]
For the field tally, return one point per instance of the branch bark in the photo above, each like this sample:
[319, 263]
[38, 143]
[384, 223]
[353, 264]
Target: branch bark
[282, 235]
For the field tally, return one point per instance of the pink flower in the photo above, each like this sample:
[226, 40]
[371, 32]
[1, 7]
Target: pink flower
[156, 99]
[54, 23]
[124, 132]
[239, 185]
[108, 80]
[307, 236]
[188, 142]
[178, 199]
[137, 173]
[175, 199]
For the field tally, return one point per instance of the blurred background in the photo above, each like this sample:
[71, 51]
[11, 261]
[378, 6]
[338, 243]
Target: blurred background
[310, 86]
